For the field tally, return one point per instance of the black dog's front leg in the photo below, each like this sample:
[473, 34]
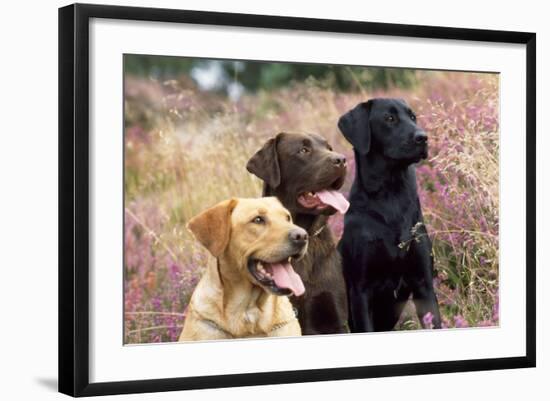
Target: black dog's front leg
[360, 314]
[425, 302]
[355, 257]
[424, 297]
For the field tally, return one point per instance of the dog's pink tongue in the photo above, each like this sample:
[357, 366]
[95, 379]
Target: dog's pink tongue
[334, 199]
[285, 277]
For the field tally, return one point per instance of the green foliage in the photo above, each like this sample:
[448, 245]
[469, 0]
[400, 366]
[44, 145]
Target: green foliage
[255, 76]
[157, 66]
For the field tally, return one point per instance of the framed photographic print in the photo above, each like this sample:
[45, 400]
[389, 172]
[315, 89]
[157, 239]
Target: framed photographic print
[238, 193]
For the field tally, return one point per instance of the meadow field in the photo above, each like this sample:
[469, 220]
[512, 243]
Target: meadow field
[186, 149]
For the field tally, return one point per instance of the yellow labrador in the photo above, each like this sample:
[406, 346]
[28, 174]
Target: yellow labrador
[244, 293]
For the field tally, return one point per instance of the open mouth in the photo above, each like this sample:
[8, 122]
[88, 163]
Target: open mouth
[325, 198]
[279, 277]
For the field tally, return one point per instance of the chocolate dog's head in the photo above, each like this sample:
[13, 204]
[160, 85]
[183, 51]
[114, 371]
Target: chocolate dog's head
[387, 127]
[303, 171]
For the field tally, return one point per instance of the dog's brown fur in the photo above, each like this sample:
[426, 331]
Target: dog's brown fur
[323, 308]
[228, 302]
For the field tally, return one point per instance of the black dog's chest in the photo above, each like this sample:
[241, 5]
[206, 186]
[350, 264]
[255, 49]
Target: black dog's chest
[389, 255]
[380, 247]
[393, 228]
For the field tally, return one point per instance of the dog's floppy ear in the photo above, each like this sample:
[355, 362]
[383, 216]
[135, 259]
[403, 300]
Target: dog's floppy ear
[212, 227]
[355, 126]
[265, 163]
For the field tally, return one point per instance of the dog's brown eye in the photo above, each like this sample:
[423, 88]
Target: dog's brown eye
[304, 150]
[288, 218]
[329, 147]
[389, 118]
[413, 117]
[258, 220]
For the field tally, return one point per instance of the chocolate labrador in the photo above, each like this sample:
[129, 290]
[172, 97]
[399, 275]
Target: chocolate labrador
[305, 174]
[386, 251]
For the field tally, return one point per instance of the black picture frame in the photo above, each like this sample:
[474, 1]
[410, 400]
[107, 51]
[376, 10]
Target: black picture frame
[74, 194]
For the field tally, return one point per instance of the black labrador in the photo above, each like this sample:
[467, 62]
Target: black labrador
[386, 251]
[305, 174]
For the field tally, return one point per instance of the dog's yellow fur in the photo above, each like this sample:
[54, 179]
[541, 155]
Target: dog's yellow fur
[228, 302]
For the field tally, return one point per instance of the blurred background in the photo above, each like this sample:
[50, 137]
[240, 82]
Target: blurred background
[235, 77]
[192, 124]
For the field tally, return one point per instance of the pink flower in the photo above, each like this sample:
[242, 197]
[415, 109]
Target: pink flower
[427, 320]
[460, 322]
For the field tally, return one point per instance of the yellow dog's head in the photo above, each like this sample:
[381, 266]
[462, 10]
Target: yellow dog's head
[256, 241]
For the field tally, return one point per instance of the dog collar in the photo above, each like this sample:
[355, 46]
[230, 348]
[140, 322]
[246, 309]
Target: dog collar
[216, 326]
[281, 325]
[318, 231]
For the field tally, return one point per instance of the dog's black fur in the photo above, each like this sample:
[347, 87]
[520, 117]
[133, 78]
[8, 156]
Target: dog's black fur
[287, 172]
[386, 251]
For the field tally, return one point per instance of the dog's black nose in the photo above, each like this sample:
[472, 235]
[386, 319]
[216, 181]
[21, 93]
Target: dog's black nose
[339, 160]
[298, 236]
[420, 137]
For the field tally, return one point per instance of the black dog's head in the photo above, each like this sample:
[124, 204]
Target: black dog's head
[387, 127]
[303, 171]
